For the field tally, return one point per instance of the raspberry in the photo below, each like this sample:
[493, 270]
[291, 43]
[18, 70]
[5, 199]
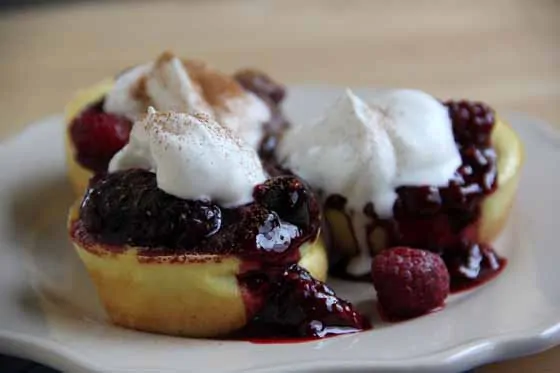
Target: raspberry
[301, 306]
[472, 121]
[97, 136]
[409, 282]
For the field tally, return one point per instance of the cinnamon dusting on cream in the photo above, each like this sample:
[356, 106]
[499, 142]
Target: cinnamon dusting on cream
[190, 86]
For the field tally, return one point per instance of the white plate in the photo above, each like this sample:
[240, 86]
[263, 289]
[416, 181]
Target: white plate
[49, 311]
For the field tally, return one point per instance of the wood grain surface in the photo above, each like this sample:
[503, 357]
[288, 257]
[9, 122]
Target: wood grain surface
[505, 52]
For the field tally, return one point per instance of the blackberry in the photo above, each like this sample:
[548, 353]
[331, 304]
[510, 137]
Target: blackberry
[472, 122]
[128, 207]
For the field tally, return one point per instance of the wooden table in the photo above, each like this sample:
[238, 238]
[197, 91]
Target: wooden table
[503, 52]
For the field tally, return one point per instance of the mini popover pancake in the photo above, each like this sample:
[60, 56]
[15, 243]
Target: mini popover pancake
[187, 235]
[192, 295]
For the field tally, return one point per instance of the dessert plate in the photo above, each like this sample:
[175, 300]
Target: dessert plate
[49, 311]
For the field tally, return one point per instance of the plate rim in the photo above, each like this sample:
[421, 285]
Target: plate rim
[479, 352]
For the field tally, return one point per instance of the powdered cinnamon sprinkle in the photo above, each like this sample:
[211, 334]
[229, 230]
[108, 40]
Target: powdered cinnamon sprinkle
[173, 123]
[217, 87]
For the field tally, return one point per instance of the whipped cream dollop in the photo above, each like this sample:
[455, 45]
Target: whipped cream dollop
[365, 151]
[193, 157]
[170, 84]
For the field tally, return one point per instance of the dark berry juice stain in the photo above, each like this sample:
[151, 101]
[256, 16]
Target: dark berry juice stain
[471, 265]
[97, 136]
[387, 318]
[444, 220]
[295, 305]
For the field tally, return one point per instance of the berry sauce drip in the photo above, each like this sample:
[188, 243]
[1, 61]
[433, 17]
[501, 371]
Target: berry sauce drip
[472, 264]
[298, 306]
[127, 208]
[97, 136]
[443, 220]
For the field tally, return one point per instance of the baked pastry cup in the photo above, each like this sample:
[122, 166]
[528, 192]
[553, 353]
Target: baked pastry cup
[191, 295]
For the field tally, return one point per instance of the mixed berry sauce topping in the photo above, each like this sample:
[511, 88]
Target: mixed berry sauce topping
[434, 218]
[127, 208]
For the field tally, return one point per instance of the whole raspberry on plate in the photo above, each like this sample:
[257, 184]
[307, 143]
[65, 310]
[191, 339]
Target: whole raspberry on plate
[409, 282]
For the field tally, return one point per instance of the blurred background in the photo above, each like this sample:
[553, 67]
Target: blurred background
[504, 52]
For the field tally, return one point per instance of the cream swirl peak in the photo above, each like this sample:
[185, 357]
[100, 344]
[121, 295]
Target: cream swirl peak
[170, 84]
[193, 157]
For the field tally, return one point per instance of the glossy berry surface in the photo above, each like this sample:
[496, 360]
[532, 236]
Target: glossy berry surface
[300, 306]
[409, 282]
[472, 121]
[470, 263]
[434, 218]
[127, 207]
[97, 136]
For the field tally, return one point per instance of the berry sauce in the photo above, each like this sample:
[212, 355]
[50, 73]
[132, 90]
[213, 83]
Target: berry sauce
[127, 208]
[444, 220]
[298, 306]
[282, 300]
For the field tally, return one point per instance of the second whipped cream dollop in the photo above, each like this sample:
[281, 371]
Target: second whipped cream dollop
[364, 152]
[193, 157]
[170, 84]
